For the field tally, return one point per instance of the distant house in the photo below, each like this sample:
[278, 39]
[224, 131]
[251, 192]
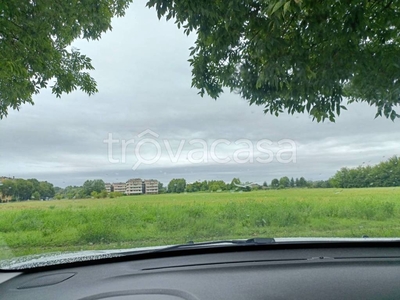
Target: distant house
[119, 187]
[109, 187]
[134, 186]
[255, 186]
[4, 198]
[150, 186]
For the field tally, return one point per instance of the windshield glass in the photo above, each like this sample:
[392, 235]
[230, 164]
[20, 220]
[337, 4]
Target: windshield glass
[153, 142]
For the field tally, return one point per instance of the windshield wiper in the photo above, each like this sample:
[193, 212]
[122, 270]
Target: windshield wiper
[248, 242]
[193, 245]
[293, 243]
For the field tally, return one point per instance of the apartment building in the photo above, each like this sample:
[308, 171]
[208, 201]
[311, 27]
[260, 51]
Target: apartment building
[150, 186]
[109, 187]
[134, 186]
[119, 187]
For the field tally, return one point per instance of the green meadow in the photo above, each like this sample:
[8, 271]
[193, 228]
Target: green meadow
[34, 227]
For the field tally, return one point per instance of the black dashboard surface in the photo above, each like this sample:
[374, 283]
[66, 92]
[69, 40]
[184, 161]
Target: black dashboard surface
[339, 273]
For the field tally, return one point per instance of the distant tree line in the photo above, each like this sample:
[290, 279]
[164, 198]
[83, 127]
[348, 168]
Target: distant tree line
[179, 185]
[90, 189]
[384, 174]
[211, 186]
[26, 189]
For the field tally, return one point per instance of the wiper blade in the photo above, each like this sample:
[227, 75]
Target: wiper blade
[248, 242]
[272, 242]
[194, 245]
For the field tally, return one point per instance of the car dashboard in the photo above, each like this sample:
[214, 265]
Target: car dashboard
[339, 272]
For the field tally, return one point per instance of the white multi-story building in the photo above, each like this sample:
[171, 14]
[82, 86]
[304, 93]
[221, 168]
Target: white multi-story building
[134, 186]
[150, 186]
[109, 187]
[119, 187]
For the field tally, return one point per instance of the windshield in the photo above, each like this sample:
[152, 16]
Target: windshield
[153, 142]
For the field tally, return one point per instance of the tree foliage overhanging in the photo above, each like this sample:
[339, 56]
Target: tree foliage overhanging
[285, 55]
[295, 55]
[34, 46]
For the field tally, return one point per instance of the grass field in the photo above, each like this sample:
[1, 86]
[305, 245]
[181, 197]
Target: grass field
[35, 227]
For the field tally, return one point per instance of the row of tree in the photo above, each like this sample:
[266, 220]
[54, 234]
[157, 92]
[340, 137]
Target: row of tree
[179, 185]
[384, 174]
[90, 188]
[26, 189]
[285, 182]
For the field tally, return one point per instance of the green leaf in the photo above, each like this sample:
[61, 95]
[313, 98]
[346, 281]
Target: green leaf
[277, 6]
[286, 7]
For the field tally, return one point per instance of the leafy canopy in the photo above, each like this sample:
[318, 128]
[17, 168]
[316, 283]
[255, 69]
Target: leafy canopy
[294, 55]
[34, 40]
[286, 55]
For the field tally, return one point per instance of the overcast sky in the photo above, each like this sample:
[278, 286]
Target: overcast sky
[162, 129]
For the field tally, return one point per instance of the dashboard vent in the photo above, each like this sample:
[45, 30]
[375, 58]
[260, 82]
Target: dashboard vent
[46, 280]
